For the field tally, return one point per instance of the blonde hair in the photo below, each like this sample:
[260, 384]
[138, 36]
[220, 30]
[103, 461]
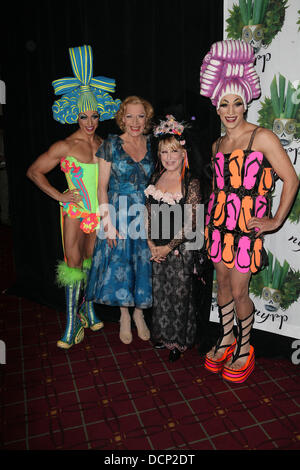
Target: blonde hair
[135, 100]
[171, 141]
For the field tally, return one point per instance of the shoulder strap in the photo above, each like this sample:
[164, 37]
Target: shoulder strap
[218, 145]
[251, 139]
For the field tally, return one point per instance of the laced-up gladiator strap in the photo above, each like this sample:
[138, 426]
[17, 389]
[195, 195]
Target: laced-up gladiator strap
[223, 325]
[215, 365]
[241, 336]
[240, 375]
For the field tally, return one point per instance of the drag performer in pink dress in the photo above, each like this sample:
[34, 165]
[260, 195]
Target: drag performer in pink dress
[239, 212]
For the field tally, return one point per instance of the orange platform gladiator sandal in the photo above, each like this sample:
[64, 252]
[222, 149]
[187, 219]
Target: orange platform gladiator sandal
[240, 375]
[216, 365]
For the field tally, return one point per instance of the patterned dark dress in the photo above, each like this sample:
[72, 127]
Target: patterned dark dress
[121, 276]
[174, 310]
[242, 185]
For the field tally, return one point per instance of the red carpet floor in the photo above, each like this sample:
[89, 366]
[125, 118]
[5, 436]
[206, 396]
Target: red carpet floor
[104, 395]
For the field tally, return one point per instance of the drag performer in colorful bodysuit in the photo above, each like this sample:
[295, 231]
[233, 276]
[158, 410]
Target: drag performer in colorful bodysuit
[85, 100]
[239, 212]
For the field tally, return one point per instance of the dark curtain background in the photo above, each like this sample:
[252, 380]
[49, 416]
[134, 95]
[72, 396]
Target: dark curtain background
[152, 48]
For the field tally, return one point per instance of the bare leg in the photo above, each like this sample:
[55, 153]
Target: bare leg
[89, 243]
[73, 242]
[143, 331]
[240, 288]
[125, 326]
[224, 284]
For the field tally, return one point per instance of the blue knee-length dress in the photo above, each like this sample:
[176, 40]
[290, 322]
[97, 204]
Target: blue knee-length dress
[122, 275]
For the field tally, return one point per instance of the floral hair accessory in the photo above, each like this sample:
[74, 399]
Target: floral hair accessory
[170, 126]
[228, 68]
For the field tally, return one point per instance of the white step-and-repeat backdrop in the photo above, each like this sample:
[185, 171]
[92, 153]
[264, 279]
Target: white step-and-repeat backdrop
[273, 28]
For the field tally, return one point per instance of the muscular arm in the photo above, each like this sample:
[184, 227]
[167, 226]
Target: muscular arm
[45, 163]
[268, 143]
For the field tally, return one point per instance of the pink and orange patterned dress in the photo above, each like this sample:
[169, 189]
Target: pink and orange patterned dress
[242, 185]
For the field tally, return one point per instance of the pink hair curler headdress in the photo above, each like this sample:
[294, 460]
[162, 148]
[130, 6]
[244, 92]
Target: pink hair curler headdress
[228, 69]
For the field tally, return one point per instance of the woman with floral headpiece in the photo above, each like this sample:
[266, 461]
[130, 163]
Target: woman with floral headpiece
[239, 211]
[121, 269]
[173, 198]
[85, 101]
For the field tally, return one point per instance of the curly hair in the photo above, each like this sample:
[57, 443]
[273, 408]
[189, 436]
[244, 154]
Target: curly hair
[135, 100]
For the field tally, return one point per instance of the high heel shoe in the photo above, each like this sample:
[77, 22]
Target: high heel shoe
[125, 330]
[143, 331]
[174, 355]
[215, 365]
[241, 374]
[74, 332]
[88, 316]
[87, 312]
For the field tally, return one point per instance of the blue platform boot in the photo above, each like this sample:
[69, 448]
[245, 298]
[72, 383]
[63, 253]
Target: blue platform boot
[87, 313]
[71, 279]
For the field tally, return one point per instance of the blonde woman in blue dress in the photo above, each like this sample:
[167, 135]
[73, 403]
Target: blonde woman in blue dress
[121, 268]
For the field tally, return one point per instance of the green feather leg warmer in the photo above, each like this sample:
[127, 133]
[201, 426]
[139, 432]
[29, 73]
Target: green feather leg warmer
[87, 263]
[65, 275]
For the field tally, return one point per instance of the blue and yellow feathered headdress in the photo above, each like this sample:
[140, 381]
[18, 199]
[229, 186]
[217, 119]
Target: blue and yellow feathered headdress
[83, 92]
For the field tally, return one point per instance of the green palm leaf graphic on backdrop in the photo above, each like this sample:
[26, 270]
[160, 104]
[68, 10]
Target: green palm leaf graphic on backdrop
[270, 13]
[281, 104]
[280, 277]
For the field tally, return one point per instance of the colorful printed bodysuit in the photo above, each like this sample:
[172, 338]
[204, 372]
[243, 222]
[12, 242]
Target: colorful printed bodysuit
[242, 185]
[84, 177]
